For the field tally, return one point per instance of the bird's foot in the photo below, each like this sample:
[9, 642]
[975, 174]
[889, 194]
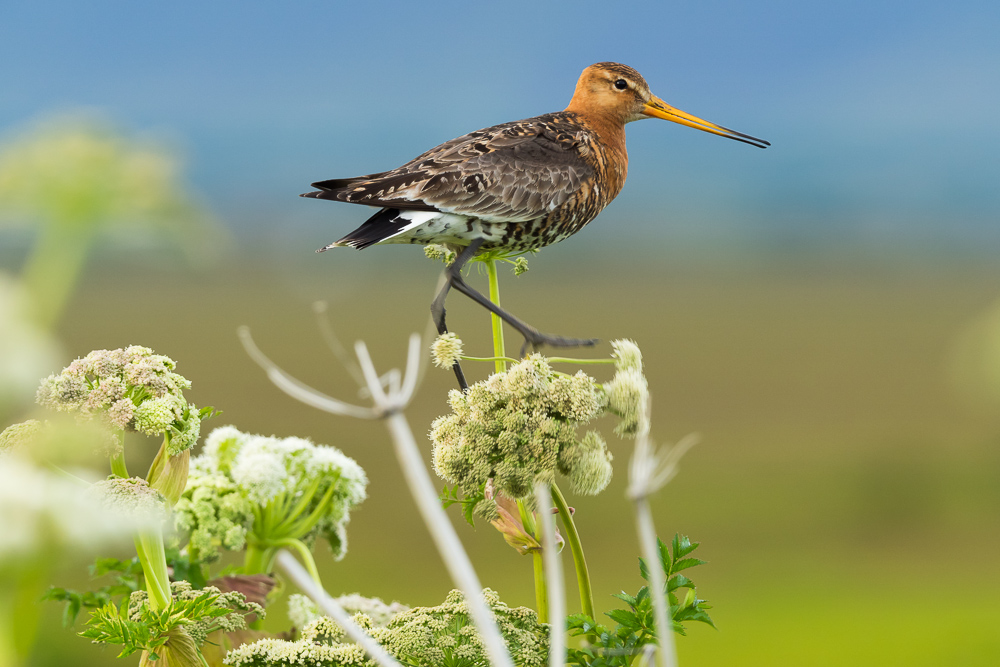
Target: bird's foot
[536, 339]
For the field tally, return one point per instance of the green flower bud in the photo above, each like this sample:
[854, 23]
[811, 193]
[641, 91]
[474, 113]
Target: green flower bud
[591, 471]
[155, 415]
[626, 355]
[628, 393]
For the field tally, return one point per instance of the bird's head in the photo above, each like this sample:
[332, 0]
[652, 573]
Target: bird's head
[617, 91]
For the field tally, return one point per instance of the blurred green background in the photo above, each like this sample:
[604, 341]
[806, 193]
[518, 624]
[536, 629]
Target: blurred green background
[824, 313]
[845, 495]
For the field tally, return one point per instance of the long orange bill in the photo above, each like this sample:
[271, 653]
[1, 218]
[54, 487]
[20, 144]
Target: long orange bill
[657, 108]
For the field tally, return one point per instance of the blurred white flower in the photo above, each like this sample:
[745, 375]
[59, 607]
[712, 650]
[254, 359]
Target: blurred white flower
[46, 514]
[26, 351]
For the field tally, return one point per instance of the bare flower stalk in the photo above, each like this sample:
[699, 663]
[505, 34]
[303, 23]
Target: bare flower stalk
[389, 403]
[553, 577]
[649, 471]
[332, 608]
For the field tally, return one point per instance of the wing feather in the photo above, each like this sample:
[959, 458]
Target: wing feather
[507, 173]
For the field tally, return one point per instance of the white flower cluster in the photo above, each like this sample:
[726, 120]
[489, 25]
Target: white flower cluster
[519, 426]
[302, 610]
[239, 475]
[420, 637]
[440, 253]
[130, 498]
[236, 603]
[130, 389]
[44, 514]
[213, 513]
[446, 350]
[628, 391]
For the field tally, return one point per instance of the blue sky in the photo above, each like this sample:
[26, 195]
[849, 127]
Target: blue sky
[881, 114]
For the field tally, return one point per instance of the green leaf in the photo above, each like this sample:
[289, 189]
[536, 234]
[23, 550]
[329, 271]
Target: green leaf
[626, 598]
[56, 594]
[694, 613]
[624, 618]
[644, 569]
[683, 546]
[71, 611]
[685, 563]
[679, 581]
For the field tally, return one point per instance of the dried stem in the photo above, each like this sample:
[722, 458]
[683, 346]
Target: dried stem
[332, 608]
[389, 403]
[553, 577]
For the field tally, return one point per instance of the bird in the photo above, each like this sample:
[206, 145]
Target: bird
[515, 187]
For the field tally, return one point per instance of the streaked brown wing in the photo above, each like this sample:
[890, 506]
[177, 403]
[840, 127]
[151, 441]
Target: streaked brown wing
[508, 173]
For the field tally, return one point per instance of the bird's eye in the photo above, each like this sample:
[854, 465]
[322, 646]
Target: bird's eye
[621, 84]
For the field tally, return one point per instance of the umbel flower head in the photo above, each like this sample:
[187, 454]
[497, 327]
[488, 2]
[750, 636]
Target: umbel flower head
[130, 389]
[213, 513]
[628, 391]
[131, 498]
[420, 637]
[241, 479]
[302, 610]
[16, 436]
[519, 426]
[44, 515]
[229, 614]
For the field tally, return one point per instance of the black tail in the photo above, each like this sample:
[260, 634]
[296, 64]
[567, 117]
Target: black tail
[379, 227]
[336, 189]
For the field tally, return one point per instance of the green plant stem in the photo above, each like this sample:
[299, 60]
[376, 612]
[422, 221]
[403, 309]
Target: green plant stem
[54, 267]
[118, 459]
[541, 591]
[304, 553]
[579, 560]
[258, 559]
[149, 547]
[498, 347]
[499, 353]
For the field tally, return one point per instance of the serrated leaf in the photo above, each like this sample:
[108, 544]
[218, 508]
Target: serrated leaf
[689, 598]
[468, 511]
[71, 611]
[625, 597]
[679, 581]
[55, 593]
[624, 618]
[685, 563]
[683, 546]
[644, 569]
[696, 614]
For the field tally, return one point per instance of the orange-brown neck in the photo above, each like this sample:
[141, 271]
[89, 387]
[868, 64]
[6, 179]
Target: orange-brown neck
[608, 131]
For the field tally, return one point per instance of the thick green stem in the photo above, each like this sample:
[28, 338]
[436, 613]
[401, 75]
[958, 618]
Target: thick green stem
[499, 353]
[541, 589]
[149, 547]
[118, 459]
[259, 559]
[304, 554]
[498, 347]
[54, 267]
[541, 593]
[579, 560]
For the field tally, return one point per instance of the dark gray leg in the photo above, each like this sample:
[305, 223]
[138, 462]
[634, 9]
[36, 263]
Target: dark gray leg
[532, 336]
[437, 306]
